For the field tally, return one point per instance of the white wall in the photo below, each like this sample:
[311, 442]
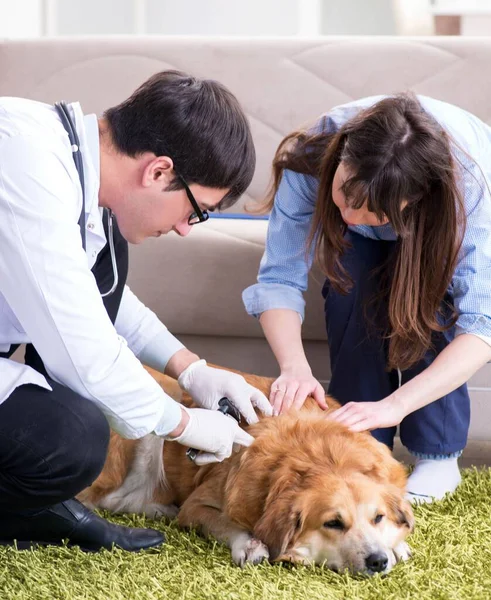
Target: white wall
[223, 17]
[33, 18]
[21, 18]
[352, 17]
[95, 17]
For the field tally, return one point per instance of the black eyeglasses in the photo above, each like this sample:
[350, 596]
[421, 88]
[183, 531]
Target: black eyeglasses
[198, 216]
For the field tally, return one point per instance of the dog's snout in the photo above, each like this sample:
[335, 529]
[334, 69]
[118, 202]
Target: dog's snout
[377, 562]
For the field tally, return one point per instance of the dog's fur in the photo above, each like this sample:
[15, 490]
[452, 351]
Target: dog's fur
[307, 490]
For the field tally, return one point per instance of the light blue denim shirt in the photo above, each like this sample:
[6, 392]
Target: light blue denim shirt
[284, 267]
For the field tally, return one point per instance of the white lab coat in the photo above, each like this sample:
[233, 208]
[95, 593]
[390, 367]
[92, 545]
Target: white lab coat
[48, 295]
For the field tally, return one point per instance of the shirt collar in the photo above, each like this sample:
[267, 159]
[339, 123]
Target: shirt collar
[88, 132]
[92, 138]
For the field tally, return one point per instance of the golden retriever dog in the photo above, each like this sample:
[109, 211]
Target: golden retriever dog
[307, 490]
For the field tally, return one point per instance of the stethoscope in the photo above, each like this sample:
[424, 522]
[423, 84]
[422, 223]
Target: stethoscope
[66, 119]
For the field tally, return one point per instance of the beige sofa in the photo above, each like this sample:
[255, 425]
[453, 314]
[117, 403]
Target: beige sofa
[195, 284]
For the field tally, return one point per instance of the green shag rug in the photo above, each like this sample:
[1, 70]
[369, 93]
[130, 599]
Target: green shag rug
[451, 560]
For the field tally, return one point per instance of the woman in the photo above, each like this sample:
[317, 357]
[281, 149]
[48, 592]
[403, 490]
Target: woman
[390, 195]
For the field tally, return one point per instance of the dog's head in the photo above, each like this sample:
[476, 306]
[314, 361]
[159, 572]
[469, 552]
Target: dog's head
[353, 523]
[315, 492]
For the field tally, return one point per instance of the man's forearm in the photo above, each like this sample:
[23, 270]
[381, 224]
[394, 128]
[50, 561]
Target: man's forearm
[180, 361]
[182, 425]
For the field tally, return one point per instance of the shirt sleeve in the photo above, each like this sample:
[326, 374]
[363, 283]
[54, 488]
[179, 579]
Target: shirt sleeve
[147, 336]
[284, 268]
[471, 282]
[45, 278]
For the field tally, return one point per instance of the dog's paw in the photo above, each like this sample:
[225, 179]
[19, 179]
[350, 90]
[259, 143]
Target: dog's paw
[252, 551]
[159, 511]
[402, 552]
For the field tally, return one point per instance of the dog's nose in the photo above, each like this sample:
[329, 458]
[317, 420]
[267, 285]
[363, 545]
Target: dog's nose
[377, 562]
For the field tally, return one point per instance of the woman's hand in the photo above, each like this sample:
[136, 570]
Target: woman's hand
[365, 416]
[291, 389]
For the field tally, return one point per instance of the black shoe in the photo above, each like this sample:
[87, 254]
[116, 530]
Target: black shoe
[73, 522]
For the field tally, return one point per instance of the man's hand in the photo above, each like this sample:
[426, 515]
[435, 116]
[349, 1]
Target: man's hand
[212, 432]
[207, 385]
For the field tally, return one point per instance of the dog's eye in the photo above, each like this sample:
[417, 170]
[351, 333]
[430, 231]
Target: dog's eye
[334, 524]
[377, 519]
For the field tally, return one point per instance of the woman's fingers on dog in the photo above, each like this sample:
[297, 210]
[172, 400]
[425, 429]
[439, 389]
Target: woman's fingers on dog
[362, 425]
[347, 414]
[337, 415]
[283, 395]
[276, 399]
[275, 387]
[301, 395]
[358, 416]
[319, 395]
[289, 396]
[277, 395]
[291, 389]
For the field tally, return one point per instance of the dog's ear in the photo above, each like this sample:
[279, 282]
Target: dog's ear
[380, 465]
[400, 510]
[280, 520]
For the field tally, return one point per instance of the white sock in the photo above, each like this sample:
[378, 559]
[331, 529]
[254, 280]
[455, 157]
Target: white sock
[432, 479]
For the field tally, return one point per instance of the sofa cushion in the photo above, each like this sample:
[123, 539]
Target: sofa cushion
[194, 284]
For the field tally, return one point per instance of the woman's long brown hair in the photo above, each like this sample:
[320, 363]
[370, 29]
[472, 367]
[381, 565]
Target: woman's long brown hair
[395, 153]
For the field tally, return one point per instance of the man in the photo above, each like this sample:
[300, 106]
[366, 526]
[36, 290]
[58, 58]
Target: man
[158, 162]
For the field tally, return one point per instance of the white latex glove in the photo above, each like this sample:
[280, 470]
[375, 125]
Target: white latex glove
[212, 432]
[207, 385]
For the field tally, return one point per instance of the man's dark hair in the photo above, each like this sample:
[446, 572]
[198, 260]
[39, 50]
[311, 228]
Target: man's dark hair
[198, 123]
